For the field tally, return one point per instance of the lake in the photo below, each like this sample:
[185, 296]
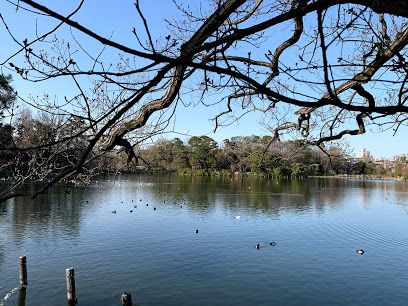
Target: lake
[155, 253]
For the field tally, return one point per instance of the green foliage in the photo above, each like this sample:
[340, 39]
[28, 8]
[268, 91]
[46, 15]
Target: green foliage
[281, 171]
[7, 94]
[6, 142]
[180, 154]
[360, 167]
[203, 151]
[244, 155]
[298, 169]
[255, 160]
[6, 136]
[184, 171]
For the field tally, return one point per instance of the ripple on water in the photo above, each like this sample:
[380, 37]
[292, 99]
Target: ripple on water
[158, 257]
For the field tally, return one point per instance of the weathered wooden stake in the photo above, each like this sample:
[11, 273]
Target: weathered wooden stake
[70, 277]
[23, 271]
[126, 299]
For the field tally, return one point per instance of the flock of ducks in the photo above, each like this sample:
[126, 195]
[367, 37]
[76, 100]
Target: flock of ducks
[273, 243]
[257, 246]
[135, 206]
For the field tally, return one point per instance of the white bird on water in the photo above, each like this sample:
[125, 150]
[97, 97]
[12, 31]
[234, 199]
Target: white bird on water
[237, 217]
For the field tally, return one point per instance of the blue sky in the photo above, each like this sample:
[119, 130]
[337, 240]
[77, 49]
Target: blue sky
[117, 21]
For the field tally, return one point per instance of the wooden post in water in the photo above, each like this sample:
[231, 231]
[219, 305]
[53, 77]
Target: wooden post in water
[70, 277]
[21, 299]
[126, 299]
[23, 271]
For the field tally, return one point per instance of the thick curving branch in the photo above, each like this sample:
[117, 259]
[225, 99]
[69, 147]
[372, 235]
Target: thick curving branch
[393, 7]
[360, 130]
[209, 26]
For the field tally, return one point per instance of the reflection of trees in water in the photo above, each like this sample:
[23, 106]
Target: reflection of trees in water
[328, 193]
[3, 208]
[272, 196]
[54, 211]
[199, 193]
[401, 198]
[2, 251]
[386, 191]
[58, 211]
[396, 193]
[3, 222]
[381, 185]
[268, 195]
[365, 196]
[399, 194]
[21, 299]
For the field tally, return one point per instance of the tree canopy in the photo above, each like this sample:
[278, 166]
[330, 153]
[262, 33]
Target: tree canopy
[319, 69]
[7, 95]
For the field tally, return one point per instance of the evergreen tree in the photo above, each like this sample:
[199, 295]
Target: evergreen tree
[7, 94]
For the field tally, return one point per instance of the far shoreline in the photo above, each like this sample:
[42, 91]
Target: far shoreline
[360, 177]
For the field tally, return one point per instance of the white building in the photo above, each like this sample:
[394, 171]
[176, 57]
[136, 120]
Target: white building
[364, 154]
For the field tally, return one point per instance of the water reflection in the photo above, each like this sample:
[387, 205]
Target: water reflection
[58, 211]
[2, 252]
[21, 299]
[3, 231]
[266, 195]
[51, 212]
[148, 249]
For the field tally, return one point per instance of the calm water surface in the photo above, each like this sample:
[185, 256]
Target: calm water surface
[156, 255]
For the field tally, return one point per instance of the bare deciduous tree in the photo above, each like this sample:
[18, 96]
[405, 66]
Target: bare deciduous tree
[322, 68]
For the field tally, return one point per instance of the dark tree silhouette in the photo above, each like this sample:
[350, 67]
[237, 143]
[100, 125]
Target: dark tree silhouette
[322, 69]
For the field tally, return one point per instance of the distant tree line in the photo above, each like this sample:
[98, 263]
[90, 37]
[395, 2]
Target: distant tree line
[255, 155]
[251, 155]
[25, 154]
